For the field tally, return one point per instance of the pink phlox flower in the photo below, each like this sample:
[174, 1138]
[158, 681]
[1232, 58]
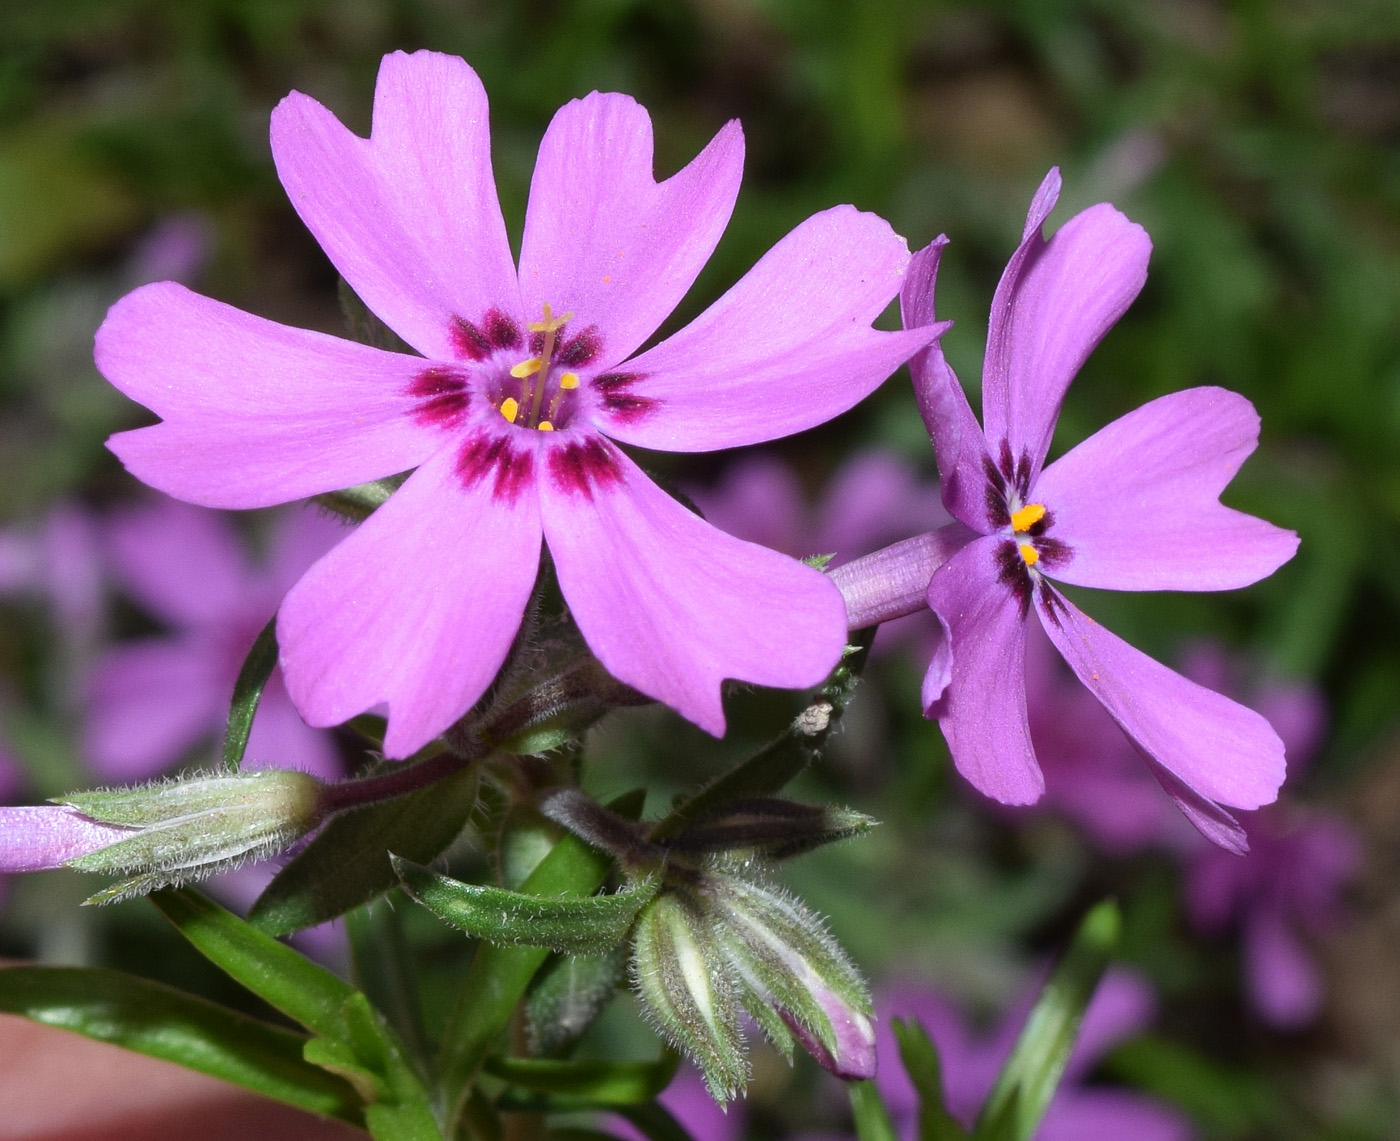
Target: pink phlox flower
[1289, 888]
[527, 378]
[874, 498]
[1134, 507]
[151, 700]
[57, 562]
[35, 838]
[971, 1058]
[691, 1104]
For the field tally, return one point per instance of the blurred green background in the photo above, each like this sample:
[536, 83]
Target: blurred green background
[1259, 143]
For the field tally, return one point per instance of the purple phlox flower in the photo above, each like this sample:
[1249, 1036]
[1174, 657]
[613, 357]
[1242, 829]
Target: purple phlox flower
[872, 499]
[526, 379]
[1289, 888]
[153, 699]
[176, 248]
[58, 562]
[1134, 507]
[971, 1059]
[34, 838]
[1093, 774]
[691, 1104]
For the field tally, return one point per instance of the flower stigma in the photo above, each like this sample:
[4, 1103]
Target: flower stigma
[534, 372]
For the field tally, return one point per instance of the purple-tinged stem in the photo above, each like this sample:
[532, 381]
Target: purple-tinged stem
[397, 781]
[893, 581]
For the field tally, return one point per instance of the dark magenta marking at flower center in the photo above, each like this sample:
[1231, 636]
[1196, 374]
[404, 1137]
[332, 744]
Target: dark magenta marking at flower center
[1052, 607]
[1013, 573]
[477, 342]
[443, 395]
[492, 457]
[579, 349]
[582, 465]
[614, 389]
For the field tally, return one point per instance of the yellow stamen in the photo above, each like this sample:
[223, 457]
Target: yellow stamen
[1030, 554]
[510, 408]
[551, 323]
[546, 426]
[569, 380]
[1028, 516]
[526, 368]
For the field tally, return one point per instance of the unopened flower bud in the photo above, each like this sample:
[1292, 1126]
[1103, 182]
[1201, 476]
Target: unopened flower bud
[788, 965]
[166, 833]
[680, 977]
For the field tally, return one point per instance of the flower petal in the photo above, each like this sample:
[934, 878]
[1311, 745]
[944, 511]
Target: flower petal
[982, 712]
[669, 604]
[183, 564]
[788, 347]
[150, 702]
[416, 608]
[408, 216]
[36, 837]
[1111, 1115]
[1139, 501]
[1206, 744]
[281, 739]
[603, 239]
[1283, 981]
[957, 438]
[1055, 302]
[255, 413]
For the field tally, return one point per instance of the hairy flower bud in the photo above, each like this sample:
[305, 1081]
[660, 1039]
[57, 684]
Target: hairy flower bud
[716, 940]
[165, 833]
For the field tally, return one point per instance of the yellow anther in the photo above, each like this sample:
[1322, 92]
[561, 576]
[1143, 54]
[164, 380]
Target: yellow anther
[569, 380]
[551, 323]
[546, 426]
[1030, 554]
[1027, 517]
[510, 408]
[526, 368]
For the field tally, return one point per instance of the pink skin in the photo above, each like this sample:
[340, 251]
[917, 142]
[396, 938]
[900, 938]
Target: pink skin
[1134, 507]
[510, 413]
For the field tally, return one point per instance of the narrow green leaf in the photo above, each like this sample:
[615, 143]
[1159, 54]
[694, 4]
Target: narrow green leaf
[247, 692]
[384, 970]
[499, 976]
[599, 1083]
[1037, 1062]
[872, 1119]
[579, 926]
[161, 1022]
[283, 978]
[782, 759]
[347, 864]
[920, 1058]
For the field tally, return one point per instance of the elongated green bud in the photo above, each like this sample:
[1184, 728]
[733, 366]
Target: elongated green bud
[188, 829]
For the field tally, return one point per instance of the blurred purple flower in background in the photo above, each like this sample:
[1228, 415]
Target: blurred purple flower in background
[151, 700]
[1290, 885]
[1134, 507]
[1122, 1007]
[692, 1105]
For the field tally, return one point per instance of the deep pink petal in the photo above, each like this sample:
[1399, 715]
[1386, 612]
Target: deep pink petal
[1202, 742]
[982, 712]
[1139, 501]
[1283, 982]
[1055, 302]
[150, 702]
[281, 739]
[34, 838]
[416, 608]
[957, 438]
[670, 605]
[255, 413]
[1122, 1006]
[409, 216]
[606, 242]
[788, 347]
[183, 564]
